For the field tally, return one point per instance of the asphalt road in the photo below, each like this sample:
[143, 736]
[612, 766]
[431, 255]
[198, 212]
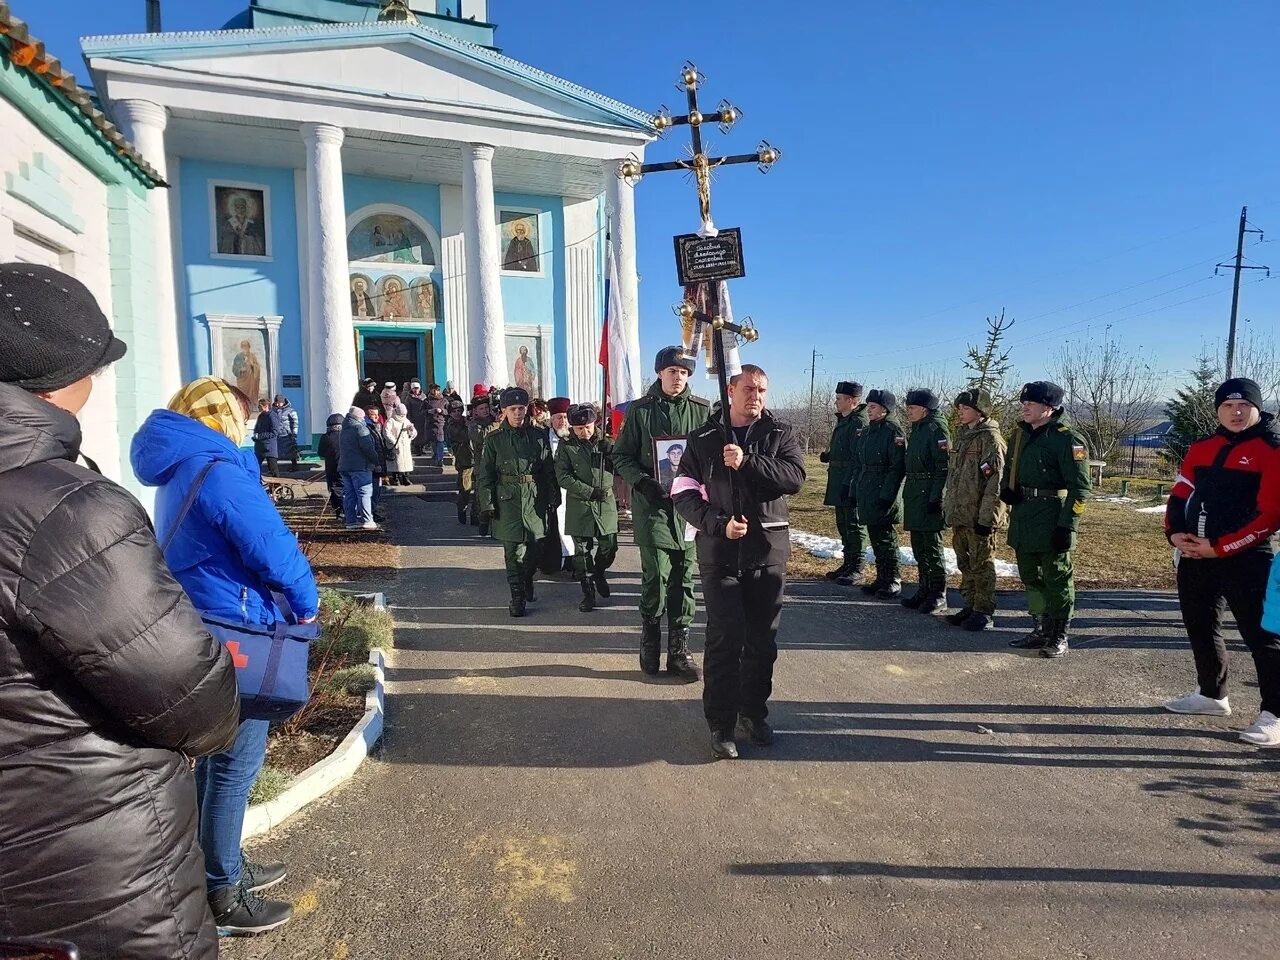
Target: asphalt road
[931, 794]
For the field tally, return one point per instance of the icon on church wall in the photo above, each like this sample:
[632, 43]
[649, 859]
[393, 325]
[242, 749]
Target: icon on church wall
[362, 302]
[393, 299]
[242, 359]
[240, 216]
[424, 299]
[519, 236]
[524, 361]
[389, 238]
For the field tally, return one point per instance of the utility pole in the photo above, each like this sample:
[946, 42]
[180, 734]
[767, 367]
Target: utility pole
[153, 16]
[1235, 287]
[808, 420]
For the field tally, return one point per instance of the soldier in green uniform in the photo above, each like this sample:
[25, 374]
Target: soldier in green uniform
[584, 468]
[928, 452]
[455, 431]
[972, 507]
[879, 455]
[516, 489]
[478, 423]
[1046, 480]
[667, 560]
[851, 419]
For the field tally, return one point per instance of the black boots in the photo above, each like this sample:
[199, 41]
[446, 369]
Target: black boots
[238, 912]
[679, 661]
[913, 602]
[977, 622]
[889, 590]
[722, 745]
[517, 606]
[851, 573]
[651, 645]
[757, 731]
[934, 601]
[602, 585]
[1055, 638]
[843, 570]
[958, 618]
[588, 602]
[529, 593]
[1035, 639]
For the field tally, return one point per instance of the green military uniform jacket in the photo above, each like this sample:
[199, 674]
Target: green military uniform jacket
[928, 455]
[880, 456]
[517, 481]
[458, 433]
[583, 466]
[973, 482]
[1048, 472]
[655, 415]
[840, 462]
[477, 430]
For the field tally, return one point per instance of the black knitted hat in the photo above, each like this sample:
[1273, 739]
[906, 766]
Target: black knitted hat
[849, 388]
[52, 331]
[1238, 388]
[885, 398]
[671, 357]
[923, 398]
[1042, 391]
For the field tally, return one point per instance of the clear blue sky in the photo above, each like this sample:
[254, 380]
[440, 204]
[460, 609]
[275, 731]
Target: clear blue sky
[942, 160]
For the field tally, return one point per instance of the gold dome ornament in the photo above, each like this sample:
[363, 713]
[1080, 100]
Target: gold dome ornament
[396, 11]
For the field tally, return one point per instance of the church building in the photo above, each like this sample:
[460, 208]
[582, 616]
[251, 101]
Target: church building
[371, 187]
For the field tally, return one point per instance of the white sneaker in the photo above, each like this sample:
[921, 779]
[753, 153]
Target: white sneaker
[1197, 702]
[1265, 731]
[369, 526]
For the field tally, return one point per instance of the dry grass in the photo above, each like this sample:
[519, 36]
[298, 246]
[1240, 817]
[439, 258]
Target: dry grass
[336, 554]
[1118, 547]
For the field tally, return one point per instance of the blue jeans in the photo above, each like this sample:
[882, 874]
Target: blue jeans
[437, 447]
[223, 782]
[357, 496]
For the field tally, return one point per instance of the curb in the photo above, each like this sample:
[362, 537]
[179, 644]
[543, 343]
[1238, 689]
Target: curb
[340, 766]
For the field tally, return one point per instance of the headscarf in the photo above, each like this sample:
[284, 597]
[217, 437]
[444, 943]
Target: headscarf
[399, 412]
[212, 402]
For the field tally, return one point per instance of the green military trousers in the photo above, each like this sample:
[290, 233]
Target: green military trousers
[853, 536]
[666, 583]
[592, 555]
[977, 568]
[521, 559]
[884, 542]
[932, 572]
[1051, 588]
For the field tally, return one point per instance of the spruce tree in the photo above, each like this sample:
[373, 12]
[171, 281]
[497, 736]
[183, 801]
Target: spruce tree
[1192, 411]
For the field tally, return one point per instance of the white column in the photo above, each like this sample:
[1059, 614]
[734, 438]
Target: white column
[143, 123]
[484, 288]
[620, 199]
[331, 364]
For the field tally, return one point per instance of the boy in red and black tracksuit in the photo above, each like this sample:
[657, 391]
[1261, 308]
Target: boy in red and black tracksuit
[1221, 516]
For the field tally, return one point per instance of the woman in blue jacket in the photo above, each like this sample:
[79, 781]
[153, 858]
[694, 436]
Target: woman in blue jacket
[231, 552]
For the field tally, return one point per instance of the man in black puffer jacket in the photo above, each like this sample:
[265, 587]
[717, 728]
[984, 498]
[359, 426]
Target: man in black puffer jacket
[734, 495]
[108, 679]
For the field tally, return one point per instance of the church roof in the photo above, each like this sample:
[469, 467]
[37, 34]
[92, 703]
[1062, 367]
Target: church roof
[29, 53]
[176, 46]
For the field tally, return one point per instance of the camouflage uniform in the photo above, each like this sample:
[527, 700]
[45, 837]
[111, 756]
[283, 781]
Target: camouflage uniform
[972, 507]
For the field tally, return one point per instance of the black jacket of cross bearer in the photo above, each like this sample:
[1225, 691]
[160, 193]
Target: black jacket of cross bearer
[706, 496]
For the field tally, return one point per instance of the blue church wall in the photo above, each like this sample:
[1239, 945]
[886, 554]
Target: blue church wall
[539, 298]
[249, 286]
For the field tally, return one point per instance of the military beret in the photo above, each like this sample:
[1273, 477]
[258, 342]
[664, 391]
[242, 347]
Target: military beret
[671, 357]
[921, 397]
[559, 405]
[1043, 392]
[849, 388]
[978, 398]
[582, 415]
[513, 397]
[885, 398]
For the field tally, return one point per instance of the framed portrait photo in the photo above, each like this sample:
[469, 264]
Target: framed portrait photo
[520, 238]
[667, 453]
[240, 220]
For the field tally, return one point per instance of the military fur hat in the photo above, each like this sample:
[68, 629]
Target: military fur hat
[885, 398]
[1042, 391]
[581, 415]
[849, 388]
[513, 397]
[921, 397]
[978, 399]
[671, 357]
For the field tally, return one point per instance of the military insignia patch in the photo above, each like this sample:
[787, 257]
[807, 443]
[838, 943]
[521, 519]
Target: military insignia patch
[986, 469]
[899, 441]
[943, 445]
[1078, 452]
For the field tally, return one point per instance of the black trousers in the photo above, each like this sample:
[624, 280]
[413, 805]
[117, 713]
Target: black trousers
[744, 609]
[1205, 588]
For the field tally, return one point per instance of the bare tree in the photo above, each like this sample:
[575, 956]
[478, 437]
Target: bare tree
[1256, 357]
[1111, 391]
[813, 426]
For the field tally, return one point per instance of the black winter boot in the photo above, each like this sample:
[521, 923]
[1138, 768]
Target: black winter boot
[873, 586]
[978, 622]
[934, 601]
[238, 912]
[1036, 638]
[679, 661]
[517, 606]
[602, 585]
[651, 645]
[913, 602]
[854, 572]
[588, 602]
[530, 594]
[722, 745]
[839, 571]
[890, 590]
[958, 618]
[1055, 641]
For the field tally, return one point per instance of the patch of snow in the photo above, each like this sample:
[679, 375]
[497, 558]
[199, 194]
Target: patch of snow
[829, 548]
[1159, 509]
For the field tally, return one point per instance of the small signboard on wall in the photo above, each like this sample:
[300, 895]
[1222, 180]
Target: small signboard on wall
[293, 381]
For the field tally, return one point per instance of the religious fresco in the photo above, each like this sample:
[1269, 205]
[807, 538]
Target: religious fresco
[241, 357]
[389, 238]
[393, 298]
[519, 236]
[363, 305]
[524, 362]
[240, 221]
[424, 299]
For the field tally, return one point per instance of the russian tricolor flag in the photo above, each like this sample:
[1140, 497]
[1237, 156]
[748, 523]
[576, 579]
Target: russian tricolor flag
[619, 350]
